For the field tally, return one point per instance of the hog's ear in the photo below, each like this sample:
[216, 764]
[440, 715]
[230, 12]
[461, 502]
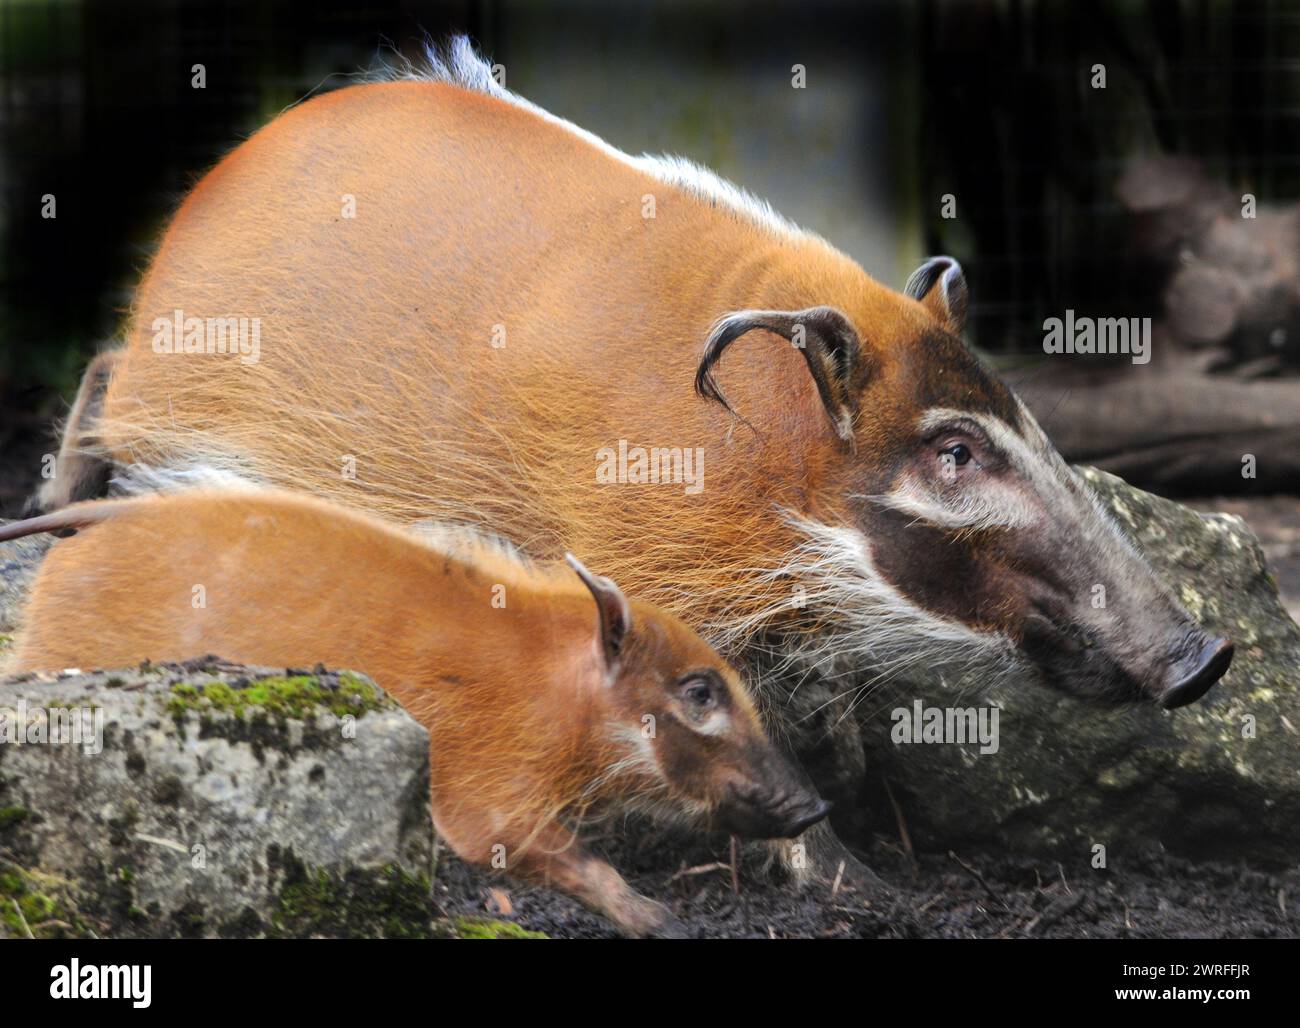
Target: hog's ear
[613, 615]
[940, 285]
[828, 341]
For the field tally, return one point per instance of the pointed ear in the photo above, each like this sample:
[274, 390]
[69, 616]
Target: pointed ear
[614, 616]
[940, 285]
[829, 344]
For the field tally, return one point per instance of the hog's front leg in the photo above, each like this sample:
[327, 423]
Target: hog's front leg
[557, 859]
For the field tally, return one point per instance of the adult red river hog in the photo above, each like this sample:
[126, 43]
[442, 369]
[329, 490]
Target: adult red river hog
[429, 298]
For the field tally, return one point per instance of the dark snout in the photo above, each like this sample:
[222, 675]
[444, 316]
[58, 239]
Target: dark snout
[779, 801]
[1192, 677]
[759, 820]
[801, 818]
[1142, 647]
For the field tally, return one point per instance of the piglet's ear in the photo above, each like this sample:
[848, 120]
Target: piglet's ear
[614, 616]
[940, 285]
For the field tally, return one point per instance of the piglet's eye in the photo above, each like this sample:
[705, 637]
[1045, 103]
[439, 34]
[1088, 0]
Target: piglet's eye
[699, 693]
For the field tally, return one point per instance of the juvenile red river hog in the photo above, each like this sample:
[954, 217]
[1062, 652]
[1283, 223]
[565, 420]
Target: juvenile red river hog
[543, 707]
[457, 306]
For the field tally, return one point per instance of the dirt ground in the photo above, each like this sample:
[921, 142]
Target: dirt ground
[955, 895]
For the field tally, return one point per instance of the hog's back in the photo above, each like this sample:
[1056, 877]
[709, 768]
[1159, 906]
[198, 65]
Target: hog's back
[508, 299]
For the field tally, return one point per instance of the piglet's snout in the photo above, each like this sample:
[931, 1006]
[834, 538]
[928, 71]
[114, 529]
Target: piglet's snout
[804, 817]
[759, 818]
[778, 802]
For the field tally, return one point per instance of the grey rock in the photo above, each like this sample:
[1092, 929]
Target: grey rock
[209, 799]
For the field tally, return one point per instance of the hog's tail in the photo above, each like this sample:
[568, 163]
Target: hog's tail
[79, 515]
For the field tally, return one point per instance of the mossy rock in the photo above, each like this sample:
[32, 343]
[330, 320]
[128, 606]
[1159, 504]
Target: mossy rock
[281, 696]
[35, 905]
[388, 903]
[220, 800]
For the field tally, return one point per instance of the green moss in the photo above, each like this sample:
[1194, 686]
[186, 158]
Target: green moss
[385, 903]
[487, 928]
[388, 903]
[12, 817]
[39, 904]
[293, 696]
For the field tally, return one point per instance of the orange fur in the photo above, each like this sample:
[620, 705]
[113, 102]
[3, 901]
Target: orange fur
[377, 340]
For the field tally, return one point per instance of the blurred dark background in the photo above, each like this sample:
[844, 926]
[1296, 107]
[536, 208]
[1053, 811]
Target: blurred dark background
[992, 102]
[988, 101]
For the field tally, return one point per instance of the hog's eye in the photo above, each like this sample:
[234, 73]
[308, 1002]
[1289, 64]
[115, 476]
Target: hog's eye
[957, 454]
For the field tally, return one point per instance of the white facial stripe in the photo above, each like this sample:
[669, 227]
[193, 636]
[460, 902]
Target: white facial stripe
[640, 754]
[1102, 529]
[1019, 451]
[1034, 459]
[968, 512]
[717, 723]
[1035, 434]
[1057, 487]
